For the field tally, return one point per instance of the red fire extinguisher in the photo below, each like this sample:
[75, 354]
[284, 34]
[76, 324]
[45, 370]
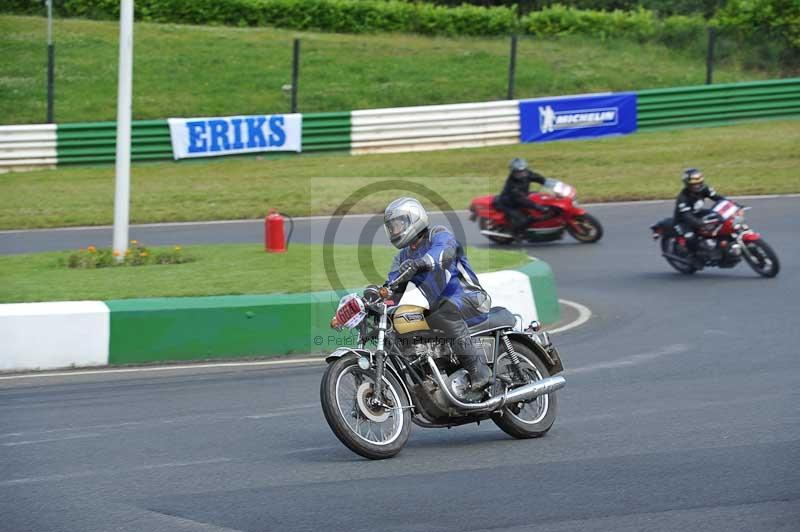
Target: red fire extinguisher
[273, 232]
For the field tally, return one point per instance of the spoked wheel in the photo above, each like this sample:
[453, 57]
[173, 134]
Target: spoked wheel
[529, 419]
[375, 428]
[760, 256]
[670, 245]
[586, 230]
[487, 225]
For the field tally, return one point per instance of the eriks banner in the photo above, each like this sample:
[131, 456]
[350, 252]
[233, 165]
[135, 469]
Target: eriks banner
[210, 137]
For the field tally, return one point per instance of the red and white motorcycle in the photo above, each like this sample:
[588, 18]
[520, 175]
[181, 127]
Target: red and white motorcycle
[558, 195]
[723, 241]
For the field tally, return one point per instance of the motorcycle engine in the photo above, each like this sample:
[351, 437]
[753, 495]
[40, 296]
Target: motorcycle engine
[458, 383]
[732, 256]
[433, 398]
[710, 244]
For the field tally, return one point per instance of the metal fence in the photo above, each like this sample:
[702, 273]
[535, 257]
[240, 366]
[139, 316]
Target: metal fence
[405, 129]
[95, 142]
[435, 127]
[707, 105]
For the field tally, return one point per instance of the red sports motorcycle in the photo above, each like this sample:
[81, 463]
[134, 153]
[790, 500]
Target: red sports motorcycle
[723, 240]
[581, 225]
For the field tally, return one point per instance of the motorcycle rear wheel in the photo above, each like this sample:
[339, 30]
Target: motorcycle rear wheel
[668, 246]
[764, 261]
[531, 419]
[591, 230]
[374, 433]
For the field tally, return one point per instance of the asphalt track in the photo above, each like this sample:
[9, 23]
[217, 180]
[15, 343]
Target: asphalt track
[680, 413]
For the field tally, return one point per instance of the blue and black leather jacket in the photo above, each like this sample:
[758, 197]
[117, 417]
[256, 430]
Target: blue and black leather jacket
[449, 277]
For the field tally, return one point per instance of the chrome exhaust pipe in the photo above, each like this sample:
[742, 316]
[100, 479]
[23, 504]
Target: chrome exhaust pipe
[535, 389]
[523, 393]
[496, 234]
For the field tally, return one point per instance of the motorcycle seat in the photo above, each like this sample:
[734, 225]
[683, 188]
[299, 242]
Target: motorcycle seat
[499, 318]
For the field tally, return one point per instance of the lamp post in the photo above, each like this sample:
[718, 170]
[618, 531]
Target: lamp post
[51, 58]
[123, 162]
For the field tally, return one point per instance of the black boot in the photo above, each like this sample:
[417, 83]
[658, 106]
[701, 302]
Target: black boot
[447, 318]
[479, 372]
[521, 230]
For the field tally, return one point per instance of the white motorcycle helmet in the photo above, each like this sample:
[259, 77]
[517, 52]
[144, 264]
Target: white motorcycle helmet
[403, 220]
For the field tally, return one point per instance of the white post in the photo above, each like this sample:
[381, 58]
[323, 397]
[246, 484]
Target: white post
[124, 93]
[49, 22]
[51, 54]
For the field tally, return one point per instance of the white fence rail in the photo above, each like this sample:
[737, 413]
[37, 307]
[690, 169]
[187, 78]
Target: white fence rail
[27, 146]
[434, 127]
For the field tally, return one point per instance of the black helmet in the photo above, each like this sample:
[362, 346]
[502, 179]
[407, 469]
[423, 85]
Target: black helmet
[518, 165]
[693, 178]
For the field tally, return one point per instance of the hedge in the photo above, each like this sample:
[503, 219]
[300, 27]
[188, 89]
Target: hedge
[749, 20]
[766, 20]
[640, 25]
[344, 16]
[364, 16]
[662, 7]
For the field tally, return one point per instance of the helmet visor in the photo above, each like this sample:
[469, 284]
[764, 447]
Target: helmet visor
[397, 227]
[519, 173]
[519, 165]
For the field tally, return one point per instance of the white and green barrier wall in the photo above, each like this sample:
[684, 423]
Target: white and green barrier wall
[408, 129]
[55, 335]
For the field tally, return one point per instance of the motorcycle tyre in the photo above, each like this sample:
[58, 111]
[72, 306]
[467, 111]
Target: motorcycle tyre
[770, 253]
[512, 425]
[584, 239]
[340, 427]
[682, 268]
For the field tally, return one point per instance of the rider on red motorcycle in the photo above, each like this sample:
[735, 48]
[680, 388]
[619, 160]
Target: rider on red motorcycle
[514, 196]
[690, 205]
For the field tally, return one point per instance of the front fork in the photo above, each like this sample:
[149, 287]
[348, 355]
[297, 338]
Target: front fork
[380, 359]
[741, 241]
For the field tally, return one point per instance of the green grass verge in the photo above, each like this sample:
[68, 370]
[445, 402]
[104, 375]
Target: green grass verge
[230, 269]
[217, 71]
[753, 158]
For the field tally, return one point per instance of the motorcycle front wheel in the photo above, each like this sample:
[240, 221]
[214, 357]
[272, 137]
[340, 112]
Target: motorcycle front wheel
[762, 258]
[529, 419]
[588, 230]
[372, 430]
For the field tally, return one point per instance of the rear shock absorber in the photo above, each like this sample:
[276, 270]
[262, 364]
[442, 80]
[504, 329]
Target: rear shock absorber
[512, 355]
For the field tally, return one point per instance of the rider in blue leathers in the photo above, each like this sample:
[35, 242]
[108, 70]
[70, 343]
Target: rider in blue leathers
[438, 277]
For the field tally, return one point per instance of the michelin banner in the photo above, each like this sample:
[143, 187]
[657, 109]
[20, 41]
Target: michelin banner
[571, 117]
[210, 137]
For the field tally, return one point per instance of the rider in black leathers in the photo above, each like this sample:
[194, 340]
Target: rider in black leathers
[690, 205]
[514, 197]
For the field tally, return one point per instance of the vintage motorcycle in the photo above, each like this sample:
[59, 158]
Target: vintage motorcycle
[402, 372]
[723, 240]
[581, 225]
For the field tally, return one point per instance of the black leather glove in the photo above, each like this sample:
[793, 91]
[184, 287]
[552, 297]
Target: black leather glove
[409, 268]
[372, 293]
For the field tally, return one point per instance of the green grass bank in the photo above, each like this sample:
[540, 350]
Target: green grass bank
[752, 158]
[229, 269]
[182, 70]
